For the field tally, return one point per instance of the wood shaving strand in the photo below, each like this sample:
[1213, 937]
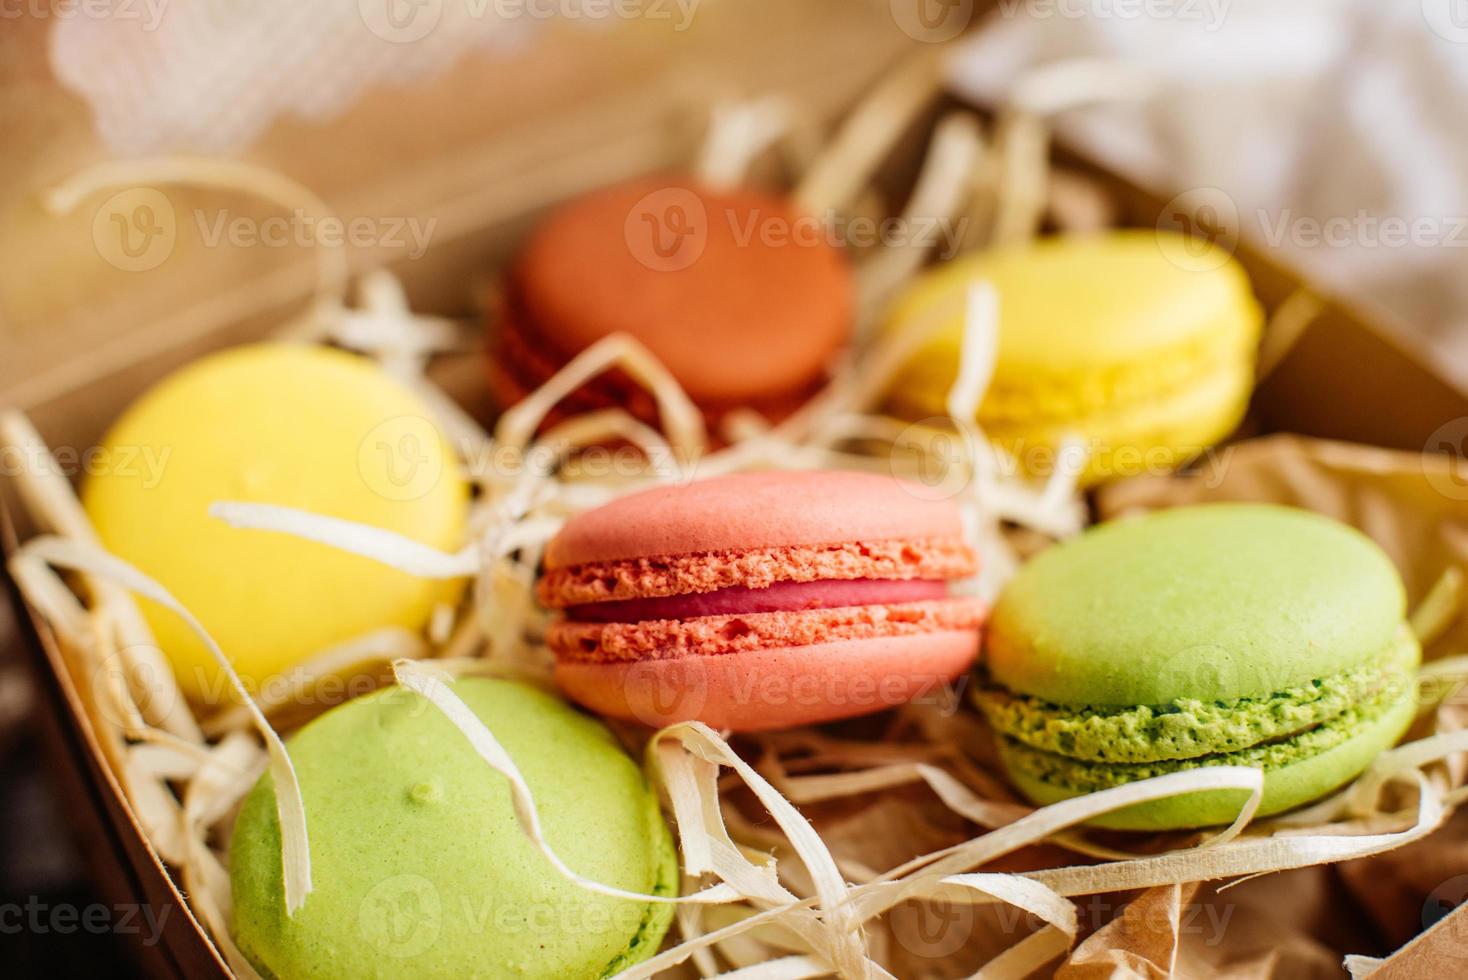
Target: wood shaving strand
[942, 187]
[738, 133]
[212, 172]
[870, 132]
[53, 504]
[296, 852]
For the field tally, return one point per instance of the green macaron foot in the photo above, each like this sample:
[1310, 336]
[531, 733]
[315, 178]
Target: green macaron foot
[419, 866]
[1286, 787]
[1188, 728]
[1223, 634]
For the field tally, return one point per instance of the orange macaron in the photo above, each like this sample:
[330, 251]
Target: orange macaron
[761, 600]
[745, 299]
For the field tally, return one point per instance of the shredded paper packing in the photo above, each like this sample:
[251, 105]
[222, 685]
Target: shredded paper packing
[803, 853]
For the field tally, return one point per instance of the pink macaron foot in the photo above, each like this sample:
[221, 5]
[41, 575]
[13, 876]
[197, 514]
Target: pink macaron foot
[771, 688]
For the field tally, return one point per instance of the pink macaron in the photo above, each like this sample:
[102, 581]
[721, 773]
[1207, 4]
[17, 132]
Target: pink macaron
[761, 600]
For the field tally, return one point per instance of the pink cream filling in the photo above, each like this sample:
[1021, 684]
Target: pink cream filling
[780, 597]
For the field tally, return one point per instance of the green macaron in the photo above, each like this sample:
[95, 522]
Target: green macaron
[1223, 634]
[418, 864]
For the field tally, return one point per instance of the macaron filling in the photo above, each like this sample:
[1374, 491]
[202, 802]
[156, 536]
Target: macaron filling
[1085, 749]
[1188, 727]
[665, 639]
[586, 583]
[721, 602]
[1089, 777]
[779, 597]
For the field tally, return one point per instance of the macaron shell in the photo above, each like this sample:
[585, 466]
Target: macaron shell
[1141, 343]
[519, 363]
[1086, 303]
[1284, 789]
[774, 688]
[746, 511]
[419, 865]
[295, 425]
[1148, 436]
[742, 316]
[1218, 601]
[1032, 396]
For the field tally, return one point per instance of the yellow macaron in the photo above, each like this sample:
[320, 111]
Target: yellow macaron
[294, 425]
[1140, 343]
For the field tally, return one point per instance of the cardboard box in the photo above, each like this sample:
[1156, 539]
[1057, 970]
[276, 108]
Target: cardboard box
[1350, 376]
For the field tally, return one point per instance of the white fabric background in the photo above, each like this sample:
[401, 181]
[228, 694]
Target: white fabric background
[1339, 128]
[211, 76]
